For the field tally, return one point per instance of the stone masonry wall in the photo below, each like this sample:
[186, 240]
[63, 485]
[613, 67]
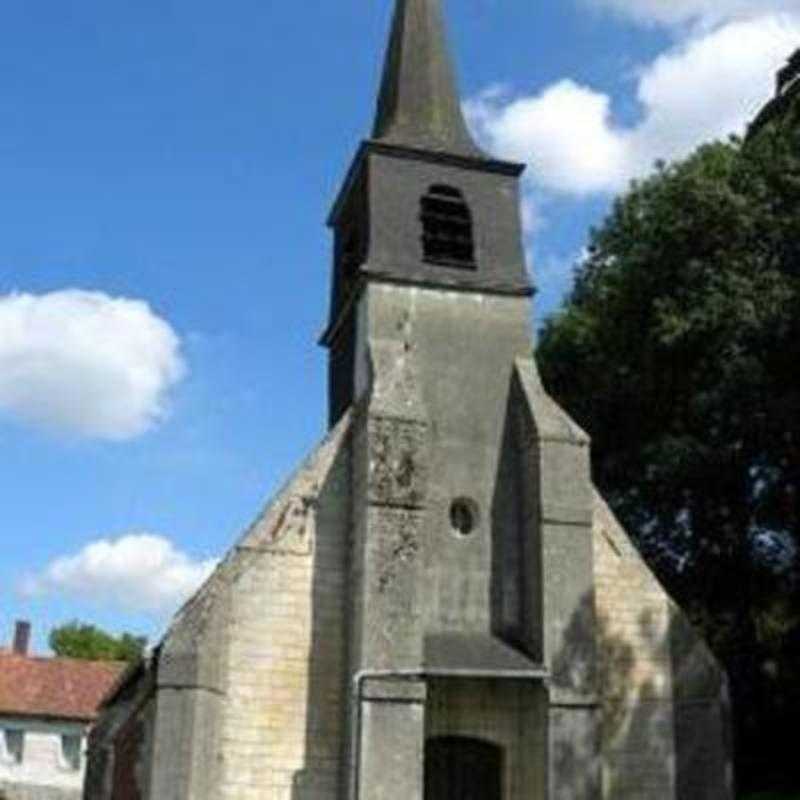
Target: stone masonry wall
[282, 731]
[633, 619]
[248, 685]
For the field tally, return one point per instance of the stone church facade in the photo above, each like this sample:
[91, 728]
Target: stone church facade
[438, 604]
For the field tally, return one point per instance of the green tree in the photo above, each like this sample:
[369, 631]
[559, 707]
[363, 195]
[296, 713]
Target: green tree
[79, 640]
[678, 350]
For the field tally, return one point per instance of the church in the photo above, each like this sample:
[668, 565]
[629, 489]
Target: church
[437, 605]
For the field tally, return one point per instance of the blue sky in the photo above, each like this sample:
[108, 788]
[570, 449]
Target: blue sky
[167, 167]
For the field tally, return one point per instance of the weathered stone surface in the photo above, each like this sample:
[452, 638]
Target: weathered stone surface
[633, 622]
[392, 736]
[398, 468]
[398, 533]
[281, 727]
[665, 700]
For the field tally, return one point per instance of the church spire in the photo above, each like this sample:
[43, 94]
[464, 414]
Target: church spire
[418, 104]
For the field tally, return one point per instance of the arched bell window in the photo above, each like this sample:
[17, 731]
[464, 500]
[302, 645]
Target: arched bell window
[447, 237]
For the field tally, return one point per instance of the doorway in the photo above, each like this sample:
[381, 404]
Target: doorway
[463, 768]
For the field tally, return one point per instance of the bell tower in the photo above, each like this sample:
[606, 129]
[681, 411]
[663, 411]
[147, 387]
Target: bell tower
[471, 556]
[421, 205]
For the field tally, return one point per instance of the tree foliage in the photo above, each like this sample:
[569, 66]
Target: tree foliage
[678, 350]
[79, 640]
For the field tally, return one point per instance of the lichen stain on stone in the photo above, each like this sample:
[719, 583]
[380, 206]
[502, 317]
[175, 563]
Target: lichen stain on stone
[404, 470]
[397, 474]
[402, 552]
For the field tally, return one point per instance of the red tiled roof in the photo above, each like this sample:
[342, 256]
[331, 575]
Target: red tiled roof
[64, 688]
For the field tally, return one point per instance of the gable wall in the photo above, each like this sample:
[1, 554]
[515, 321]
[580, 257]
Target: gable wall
[283, 718]
[633, 624]
[667, 726]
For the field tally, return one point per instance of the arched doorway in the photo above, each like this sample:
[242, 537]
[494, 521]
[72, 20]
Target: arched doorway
[463, 768]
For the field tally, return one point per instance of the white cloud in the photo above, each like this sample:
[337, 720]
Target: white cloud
[707, 87]
[565, 133]
[137, 572]
[704, 12]
[85, 363]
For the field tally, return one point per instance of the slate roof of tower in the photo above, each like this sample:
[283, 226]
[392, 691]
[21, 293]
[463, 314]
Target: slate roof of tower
[418, 105]
[59, 688]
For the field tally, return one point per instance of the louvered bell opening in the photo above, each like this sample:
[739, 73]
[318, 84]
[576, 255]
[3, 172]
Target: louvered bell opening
[447, 238]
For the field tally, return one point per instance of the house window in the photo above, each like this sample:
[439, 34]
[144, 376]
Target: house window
[447, 228]
[71, 750]
[14, 745]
